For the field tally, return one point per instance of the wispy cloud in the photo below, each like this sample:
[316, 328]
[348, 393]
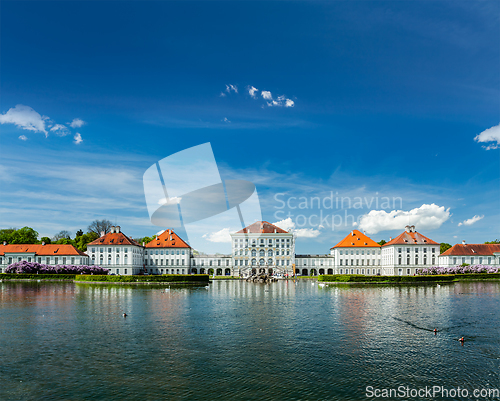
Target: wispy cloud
[231, 88]
[78, 139]
[77, 123]
[490, 135]
[226, 120]
[252, 91]
[26, 118]
[470, 221]
[425, 217]
[60, 129]
[23, 137]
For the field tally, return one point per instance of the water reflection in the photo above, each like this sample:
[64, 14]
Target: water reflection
[238, 340]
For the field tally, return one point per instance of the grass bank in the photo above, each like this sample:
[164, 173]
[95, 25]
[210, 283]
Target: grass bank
[164, 278]
[347, 278]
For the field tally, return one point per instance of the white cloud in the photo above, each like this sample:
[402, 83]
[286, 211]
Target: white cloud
[289, 103]
[266, 95]
[219, 236]
[470, 221]
[289, 225]
[306, 232]
[490, 135]
[252, 90]
[174, 199]
[60, 129]
[425, 217]
[78, 139]
[230, 88]
[23, 137]
[226, 120]
[77, 123]
[222, 94]
[26, 118]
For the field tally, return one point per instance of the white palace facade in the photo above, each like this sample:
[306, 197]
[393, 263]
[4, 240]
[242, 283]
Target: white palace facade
[261, 247]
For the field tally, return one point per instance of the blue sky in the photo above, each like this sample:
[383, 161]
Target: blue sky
[388, 98]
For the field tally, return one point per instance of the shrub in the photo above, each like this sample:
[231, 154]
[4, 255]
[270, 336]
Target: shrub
[17, 276]
[34, 268]
[463, 269]
[164, 278]
[346, 278]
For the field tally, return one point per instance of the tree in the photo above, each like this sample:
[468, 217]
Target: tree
[65, 241]
[79, 233]
[97, 226]
[382, 242]
[6, 234]
[47, 240]
[25, 235]
[82, 240]
[144, 239]
[493, 242]
[62, 234]
[444, 247]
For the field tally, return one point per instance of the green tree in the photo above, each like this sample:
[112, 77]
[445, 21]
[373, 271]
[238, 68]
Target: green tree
[79, 233]
[145, 239]
[82, 240]
[382, 242]
[65, 241]
[6, 234]
[444, 247]
[47, 240]
[25, 235]
[493, 242]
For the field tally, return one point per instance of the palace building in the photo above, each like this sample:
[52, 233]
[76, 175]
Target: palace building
[472, 254]
[357, 254]
[47, 254]
[408, 252]
[261, 247]
[116, 252]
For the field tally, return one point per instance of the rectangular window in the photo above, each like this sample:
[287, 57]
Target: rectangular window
[177, 262]
[183, 262]
[109, 250]
[472, 260]
[125, 271]
[340, 262]
[408, 261]
[463, 260]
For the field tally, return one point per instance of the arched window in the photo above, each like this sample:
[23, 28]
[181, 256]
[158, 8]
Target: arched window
[270, 252]
[269, 261]
[254, 252]
[254, 262]
[262, 252]
[262, 262]
[241, 252]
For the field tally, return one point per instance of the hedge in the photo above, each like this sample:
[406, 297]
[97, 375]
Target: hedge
[17, 276]
[477, 276]
[164, 278]
[347, 278]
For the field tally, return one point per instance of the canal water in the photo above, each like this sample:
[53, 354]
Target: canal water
[243, 341]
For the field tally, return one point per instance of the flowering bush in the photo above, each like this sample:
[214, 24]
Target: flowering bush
[37, 268]
[458, 270]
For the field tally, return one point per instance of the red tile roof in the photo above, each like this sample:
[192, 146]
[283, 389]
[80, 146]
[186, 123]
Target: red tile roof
[262, 227]
[168, 239]
[411, 238]
[356, 239]
[42, 250]
[472, 250]
[114, 239]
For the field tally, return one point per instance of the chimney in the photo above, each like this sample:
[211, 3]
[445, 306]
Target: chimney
[352, 233]
[102, 233]
[463, 242]
[43, 243]
[390, 239]
[143, 243]
[117, 229]
[412, 229]
[112, 229]
[407, 229]
[5, 242]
